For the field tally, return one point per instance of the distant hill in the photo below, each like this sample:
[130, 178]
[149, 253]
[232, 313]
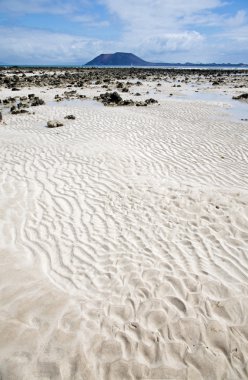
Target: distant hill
[129, 59]
[117, 59]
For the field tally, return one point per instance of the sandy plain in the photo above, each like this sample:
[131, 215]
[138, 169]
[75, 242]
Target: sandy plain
[124, 234]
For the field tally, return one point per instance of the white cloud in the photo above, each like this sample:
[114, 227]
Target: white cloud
[240, 18]
[43, 47]
[37, 6]
[175, 42]
[210, 19]
[158, 14]
[90, 21]
[163, 47]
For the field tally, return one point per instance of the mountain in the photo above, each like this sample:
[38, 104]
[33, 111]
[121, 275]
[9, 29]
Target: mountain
[129, 59]
[118, 59]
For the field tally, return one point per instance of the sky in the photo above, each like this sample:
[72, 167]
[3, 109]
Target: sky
[75, 31]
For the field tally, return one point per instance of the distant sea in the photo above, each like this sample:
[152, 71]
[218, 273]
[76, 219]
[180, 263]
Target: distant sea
[203, 67]
[184, 67]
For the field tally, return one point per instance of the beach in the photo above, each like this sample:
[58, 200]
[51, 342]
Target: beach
[124, 232]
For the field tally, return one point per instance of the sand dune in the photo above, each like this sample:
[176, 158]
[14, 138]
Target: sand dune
[124, 244]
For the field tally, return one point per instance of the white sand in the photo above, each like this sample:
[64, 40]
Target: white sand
[123, 242]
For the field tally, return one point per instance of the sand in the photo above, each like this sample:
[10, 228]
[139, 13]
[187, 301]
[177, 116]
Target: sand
[123, 243]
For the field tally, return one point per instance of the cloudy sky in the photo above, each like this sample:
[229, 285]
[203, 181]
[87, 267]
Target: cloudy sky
[75, 31]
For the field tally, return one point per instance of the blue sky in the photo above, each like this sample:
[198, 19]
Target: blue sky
[75, 31]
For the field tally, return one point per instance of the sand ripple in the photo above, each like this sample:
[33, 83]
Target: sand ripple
[139, 222]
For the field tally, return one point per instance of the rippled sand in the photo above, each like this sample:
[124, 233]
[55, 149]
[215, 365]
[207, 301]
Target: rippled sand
[123, 243]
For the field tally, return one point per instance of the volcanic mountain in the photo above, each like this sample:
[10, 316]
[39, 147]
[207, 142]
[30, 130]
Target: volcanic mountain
[118, 59]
